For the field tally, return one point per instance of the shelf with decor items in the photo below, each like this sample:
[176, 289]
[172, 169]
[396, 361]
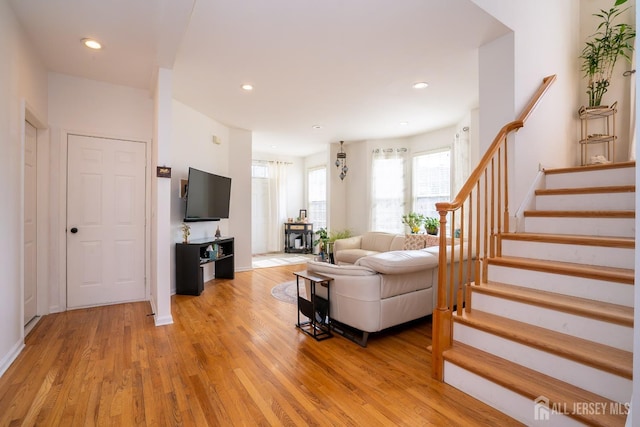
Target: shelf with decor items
[192, 256]
[302, 232]
[604, 118]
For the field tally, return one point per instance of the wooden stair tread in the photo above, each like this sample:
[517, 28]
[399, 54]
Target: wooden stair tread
[573, 239]
[600, 356]
[613, 274]
[585, 168]
[581, 214]
[594, 309]
[586, 190]
[530, 384]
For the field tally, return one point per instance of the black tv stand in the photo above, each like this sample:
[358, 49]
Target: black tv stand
[190, 257]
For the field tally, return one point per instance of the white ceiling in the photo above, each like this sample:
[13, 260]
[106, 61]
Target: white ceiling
[345, 65]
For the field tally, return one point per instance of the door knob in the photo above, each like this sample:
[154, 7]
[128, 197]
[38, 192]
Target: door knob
[74, 230]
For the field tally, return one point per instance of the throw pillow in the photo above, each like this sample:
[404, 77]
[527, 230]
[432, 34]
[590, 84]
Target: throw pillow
[414, 241]
[431, 241]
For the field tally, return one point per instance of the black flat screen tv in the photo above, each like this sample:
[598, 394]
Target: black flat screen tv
[208, 196]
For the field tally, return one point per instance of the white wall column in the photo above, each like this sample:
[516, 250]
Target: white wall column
[240, 214]
[160, 287]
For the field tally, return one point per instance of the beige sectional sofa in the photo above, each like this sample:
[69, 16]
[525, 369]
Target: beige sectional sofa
[348, 251]
[380, 289]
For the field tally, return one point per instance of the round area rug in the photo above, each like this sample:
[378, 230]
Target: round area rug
[285, 292]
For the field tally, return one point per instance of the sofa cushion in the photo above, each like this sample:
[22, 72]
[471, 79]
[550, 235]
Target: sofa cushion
[398, 262]
[377, 241]
[350, 256]
[397, 244]
[435, 251]
[332, 269]
[413, 241]
[354, 242]
[392, 285]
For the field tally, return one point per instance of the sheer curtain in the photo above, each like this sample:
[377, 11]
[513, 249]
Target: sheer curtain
[388, 189]
[277, 206]
[461, 161]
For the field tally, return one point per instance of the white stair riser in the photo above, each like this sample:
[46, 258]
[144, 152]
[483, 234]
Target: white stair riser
[606, 333]
[601, 290]
[614, 227]
[591, 379]
[581, 254]
[586, 202]
[511, 403]
[598, 178]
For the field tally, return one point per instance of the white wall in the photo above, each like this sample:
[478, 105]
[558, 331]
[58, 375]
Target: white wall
[635, 395]
[430, 141]
[22, 79]
[350, 200]
[193, 146]
[94, 108]
[351, 192]
[240, 142]
[550, 136]
[620, 87]
[160, 248]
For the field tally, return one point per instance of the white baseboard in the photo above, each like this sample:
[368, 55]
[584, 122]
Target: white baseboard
[160, 320]
[11, 356]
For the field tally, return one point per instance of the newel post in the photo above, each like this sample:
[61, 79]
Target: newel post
[442, 327]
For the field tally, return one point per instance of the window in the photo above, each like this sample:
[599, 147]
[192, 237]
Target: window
[388, 172]
[259, 170]
[431, 181]
[317, 190]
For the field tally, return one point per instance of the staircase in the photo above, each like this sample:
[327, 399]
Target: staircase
[549, 337]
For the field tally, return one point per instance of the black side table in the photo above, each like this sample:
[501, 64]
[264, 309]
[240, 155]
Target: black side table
[313, 306]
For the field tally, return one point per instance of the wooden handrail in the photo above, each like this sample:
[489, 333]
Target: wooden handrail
[491, 151]
[482, 205]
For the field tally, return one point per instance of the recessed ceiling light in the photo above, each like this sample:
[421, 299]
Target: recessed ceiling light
[420, 85]
[404, 123]
[92, 44]
[248, 87]
[317, 126]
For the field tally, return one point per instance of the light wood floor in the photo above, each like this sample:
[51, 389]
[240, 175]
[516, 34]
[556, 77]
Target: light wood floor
[232, 357]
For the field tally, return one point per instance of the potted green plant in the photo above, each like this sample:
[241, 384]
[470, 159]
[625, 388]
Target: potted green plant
[340, 234]
[431, 224]
[325, 240]
[322, 240]
[610, 42]
[414, 220]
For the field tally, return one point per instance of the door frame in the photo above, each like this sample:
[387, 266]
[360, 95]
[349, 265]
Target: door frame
[27, 113]
[62, 232]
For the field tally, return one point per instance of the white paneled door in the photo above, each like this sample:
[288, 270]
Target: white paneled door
[105, 221]
[30, 228]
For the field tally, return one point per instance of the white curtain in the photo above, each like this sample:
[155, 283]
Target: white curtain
[461, 161]
[388, 189]
[277, 206]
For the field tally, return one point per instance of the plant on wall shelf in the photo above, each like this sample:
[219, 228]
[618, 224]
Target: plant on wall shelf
[610, 42]
[414, 221]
